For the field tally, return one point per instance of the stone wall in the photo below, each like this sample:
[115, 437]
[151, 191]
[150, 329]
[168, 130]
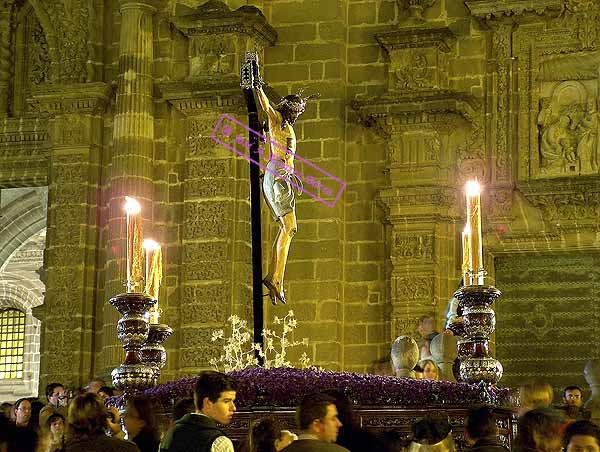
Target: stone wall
[416, 97]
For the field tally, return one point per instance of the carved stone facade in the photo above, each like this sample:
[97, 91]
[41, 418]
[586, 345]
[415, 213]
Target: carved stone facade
[103, 99]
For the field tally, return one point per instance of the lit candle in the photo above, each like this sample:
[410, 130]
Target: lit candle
[153, 274]
[465, 256]
[135, 252]
[474, 224]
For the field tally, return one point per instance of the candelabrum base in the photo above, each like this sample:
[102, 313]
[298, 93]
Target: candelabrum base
[133, 378]
[479, 322]
[486, 369]
[133, 375]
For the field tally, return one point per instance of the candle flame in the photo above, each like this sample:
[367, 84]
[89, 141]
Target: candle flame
[473, 188]
[132, 206]
[151, 245]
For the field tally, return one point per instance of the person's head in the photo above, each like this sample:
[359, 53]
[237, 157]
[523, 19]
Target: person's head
[183, 407]
[22, 412]
[87, 415]
[572, 396]
[291, 107]
[95, 385]
[138, 416]
[214, 396]
[539, 429]
[105, 392]
[481, 423]
[318, 415]
[267, 436]
[430, 369]
[56, 424]
[55, 393]
[536, 394]
[430, 431]
[344, 408]
[564, 120]
[5, 409]
[582, 436]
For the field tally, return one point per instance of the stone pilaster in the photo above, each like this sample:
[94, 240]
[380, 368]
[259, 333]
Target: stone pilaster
[132, 156]
[211, 264]
[424, 118]
[75, 115]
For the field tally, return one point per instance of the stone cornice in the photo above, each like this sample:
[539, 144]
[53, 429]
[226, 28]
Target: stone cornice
[574, 201]
[407, 38]
[214, 17]
[193, 97]
[420, 203]
[392, 111]
[53, 99]
[489, 9]
[18, 133]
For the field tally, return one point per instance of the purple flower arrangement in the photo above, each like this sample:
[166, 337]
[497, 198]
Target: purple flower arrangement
[285, 387]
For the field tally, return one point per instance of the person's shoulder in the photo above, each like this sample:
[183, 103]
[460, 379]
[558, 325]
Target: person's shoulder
[498, 447]
[312, 445]
[120, 445]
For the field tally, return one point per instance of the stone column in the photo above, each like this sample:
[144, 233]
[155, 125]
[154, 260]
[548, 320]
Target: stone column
[132, 156]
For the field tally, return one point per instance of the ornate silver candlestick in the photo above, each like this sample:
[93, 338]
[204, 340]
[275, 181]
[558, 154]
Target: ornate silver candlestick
[133, 375]
[153, 353]
[479, 322]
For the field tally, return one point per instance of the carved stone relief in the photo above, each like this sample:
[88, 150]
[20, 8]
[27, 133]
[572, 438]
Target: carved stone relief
[414, 148]
[211, 55]
[38, 62]
[71, 18]
[206, 220]
[413, 247]
[569, 129]
[414, 287]
[418, 58]
[199, 141]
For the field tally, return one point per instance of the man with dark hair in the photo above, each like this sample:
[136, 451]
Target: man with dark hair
[572, 396]
[57, 402]
[317, 417]
[481, 431]
[573, 401]
[214, 396]
[582, 435]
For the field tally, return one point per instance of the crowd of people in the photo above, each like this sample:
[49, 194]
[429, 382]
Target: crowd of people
[325, 422]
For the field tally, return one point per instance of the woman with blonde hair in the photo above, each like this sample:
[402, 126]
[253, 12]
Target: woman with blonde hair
[535, 394]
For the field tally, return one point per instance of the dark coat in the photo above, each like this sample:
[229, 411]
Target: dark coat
[313, 445]
[146, 441]
[100, 443]
[488, 444]
[192, 433]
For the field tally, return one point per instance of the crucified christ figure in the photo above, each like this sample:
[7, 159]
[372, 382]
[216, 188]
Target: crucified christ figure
[279, 193]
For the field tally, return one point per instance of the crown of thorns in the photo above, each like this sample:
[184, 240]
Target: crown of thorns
[295, 102]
